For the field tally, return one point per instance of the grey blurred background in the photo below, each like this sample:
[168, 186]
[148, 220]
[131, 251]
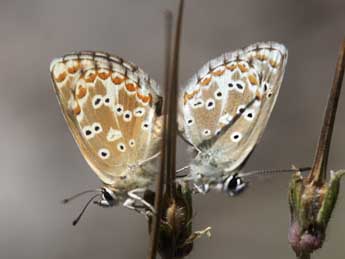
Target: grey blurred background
[41, 164]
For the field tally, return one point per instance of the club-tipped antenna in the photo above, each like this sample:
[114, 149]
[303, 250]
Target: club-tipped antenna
[75, 222]
[273, 171]
[64, 201]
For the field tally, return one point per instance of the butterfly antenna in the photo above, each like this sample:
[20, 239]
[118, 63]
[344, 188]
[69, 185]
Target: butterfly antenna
[64, 201]
[75, 222]
[274, 171]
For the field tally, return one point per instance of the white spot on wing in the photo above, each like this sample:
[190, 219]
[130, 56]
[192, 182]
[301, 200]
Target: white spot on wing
[139, 112]
[206, 132]
[236, 137]
[249, 115]
[103, 153]
[97, 101]
[131, 143]
[97, 127]
[121, 147]
[118, 109]
[210, 104]
[127, 116]
[113, 134]
[225, 119]
[218, 95]
[198, 103]
[88, 132]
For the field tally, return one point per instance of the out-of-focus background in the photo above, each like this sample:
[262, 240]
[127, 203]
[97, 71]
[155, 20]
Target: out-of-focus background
[41, 164]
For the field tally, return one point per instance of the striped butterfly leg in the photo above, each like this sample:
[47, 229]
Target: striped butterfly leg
[137, 203]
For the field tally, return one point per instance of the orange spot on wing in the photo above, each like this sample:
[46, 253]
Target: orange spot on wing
[73, 69]
[218, 72]
[61, 77]
[205, 81]
[252, 79]
[81, 92]
[261, 57]
[273, 63]
[145, 98]
[117, 80]
[77, 110]
[231, 67]
[131, 87]
[103, 74]
[90, 77]
[242, 67]
[188, 96]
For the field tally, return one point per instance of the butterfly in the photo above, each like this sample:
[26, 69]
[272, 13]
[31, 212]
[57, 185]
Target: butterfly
[113, 110]
[224, 109]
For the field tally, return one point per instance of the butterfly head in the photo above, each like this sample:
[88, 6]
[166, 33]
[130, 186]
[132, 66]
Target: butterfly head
[108, 199]
[234, 185]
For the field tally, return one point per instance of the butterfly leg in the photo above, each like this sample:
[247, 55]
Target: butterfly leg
[135, 197]
[203, 188]
[130, 204]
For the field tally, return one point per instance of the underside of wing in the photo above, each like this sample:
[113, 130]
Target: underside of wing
[113, 110]
[238, 89]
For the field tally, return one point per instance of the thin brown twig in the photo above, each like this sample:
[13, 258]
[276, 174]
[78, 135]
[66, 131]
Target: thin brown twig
[318, 172]
[160, 180]
[172, 118]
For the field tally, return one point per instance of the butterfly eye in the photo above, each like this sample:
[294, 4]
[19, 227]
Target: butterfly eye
[97, 101]
[107, 196]
[121, 147]
[234, 185]
[236, 136]
[103, 153]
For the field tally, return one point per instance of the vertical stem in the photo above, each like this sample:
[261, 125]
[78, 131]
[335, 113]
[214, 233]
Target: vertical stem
[172, 113]
[304, 256]
[160, 180]
[318, 172]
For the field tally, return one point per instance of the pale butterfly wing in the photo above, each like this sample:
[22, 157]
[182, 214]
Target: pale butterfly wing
[113, 111]
[222, 89]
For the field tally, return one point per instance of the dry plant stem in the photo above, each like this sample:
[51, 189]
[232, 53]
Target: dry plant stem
[172, 118]
[318, 172]
[304, 256]
[160, 180]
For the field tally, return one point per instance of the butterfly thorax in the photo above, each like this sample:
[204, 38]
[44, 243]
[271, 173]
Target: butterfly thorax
[204, 168]
[135, 176]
